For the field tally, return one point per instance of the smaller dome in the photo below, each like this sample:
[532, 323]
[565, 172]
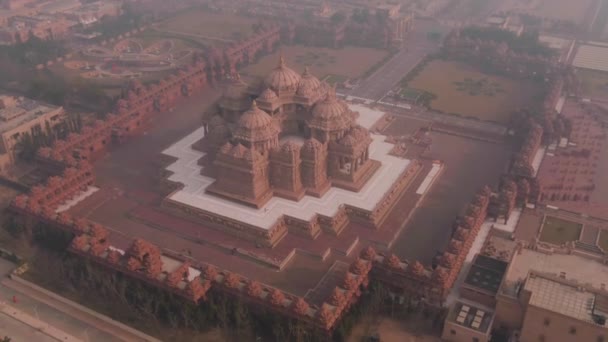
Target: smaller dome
[311, 146]
[282, 78]
[309, 84]
[267, 95]
[256, 125]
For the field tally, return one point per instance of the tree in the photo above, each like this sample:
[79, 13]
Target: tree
[338, 18]
[6, 339]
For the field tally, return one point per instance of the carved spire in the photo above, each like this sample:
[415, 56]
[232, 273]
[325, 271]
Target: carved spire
[281, 61]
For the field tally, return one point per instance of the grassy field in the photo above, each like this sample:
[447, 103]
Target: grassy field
[593, 83]
[462, 90]
[222, 26]
[558, 231]
[323, 62]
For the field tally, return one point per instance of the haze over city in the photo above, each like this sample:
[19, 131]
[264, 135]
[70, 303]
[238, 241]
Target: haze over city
[312, 170]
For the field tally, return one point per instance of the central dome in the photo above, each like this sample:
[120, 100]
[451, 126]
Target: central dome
[256, 125]
[282, 78]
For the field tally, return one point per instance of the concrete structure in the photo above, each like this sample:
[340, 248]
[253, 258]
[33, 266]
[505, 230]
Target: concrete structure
[468, 322]
[593, 56]
[20, 116]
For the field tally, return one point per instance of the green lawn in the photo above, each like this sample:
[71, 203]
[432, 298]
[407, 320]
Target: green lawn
[559, 231]
[411, 94]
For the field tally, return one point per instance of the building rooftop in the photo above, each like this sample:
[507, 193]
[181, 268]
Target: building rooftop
[594, 57]
[574, 301]
[486, 273]
[471, 316]
[15, 111]
[574, 267]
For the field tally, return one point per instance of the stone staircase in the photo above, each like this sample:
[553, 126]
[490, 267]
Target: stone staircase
[589, 234]
[588, 240]
[588, 247]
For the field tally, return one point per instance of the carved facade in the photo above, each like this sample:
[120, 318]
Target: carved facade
[323, 146]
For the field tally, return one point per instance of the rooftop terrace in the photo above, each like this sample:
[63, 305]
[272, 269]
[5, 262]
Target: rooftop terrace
[583, 270]
[17, 111]
[563, 298]
[471, 316]
[486, 273]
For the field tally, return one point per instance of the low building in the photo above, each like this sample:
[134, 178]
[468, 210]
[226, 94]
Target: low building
[468, 322]
[45, 27]
[483, 280]
[558, 309]
[524, 296]
[20, 116]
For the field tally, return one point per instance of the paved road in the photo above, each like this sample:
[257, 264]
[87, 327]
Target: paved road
[18, 331]
[52, 312]
[417, 46]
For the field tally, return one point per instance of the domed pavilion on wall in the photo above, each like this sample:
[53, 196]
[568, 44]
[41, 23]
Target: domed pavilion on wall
[291, 137]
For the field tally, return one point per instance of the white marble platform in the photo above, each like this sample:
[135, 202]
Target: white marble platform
[187, 171]
[429, 179]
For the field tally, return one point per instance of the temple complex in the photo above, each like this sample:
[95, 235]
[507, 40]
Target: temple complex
[286, 156]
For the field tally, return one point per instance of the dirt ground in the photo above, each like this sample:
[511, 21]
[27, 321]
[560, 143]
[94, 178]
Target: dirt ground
[221, 26]
[478, 95]
[469, 165]
[322, 62]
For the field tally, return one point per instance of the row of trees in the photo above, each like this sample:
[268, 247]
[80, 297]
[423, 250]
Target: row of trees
[39, 137]
[160, 312]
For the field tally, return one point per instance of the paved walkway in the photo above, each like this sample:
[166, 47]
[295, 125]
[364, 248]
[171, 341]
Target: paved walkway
[388, 75]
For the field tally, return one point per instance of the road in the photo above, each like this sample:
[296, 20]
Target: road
[416, 47]
[18, 331]
[42, 310]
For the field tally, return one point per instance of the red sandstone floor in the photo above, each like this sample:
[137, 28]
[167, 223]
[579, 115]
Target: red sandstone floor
[129, 199]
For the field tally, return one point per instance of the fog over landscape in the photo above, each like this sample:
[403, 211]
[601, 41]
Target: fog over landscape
[311, 170]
